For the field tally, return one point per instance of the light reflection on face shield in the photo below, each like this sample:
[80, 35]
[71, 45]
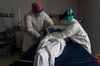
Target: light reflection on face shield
[64, 21]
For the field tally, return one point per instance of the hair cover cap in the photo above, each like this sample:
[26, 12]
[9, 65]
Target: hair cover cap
[37, 6]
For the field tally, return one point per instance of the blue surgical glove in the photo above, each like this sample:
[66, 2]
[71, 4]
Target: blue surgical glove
[51, 30]
[58, 30]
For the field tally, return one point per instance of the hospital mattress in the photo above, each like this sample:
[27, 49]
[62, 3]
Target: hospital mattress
[73, 55]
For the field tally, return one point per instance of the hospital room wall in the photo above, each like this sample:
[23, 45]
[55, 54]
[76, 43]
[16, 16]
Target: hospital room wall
[53, 7]
[90, 11]
[21, 7]
[57, 7]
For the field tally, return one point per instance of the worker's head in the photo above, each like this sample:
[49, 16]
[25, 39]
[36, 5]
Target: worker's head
[68, 15]
[37, 8]
[69, 11]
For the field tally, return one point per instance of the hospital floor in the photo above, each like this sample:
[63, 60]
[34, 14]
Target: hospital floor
[5, 61]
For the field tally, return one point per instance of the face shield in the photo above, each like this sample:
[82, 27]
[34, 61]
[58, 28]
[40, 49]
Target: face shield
[64, 21]
[67, 16]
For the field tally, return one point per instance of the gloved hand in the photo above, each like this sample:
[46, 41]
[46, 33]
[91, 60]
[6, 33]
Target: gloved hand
[58, 30]
[51, 30]
[43, 32]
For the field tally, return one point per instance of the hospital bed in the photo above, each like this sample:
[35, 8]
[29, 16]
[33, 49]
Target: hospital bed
[73, 55]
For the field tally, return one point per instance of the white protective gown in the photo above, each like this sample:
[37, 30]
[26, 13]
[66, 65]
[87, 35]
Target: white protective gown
[77, 34]
[33, 25]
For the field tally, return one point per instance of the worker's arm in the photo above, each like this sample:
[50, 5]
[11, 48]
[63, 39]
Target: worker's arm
[70, 30]
[30, 27]
[48, 21]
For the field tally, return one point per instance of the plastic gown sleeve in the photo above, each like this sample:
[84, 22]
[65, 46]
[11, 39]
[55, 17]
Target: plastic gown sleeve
[30, 27]
[70, 30]
[48, 21]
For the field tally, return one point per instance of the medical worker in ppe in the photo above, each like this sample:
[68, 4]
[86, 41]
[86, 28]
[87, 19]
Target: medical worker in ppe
[35, 23]
[74, 30]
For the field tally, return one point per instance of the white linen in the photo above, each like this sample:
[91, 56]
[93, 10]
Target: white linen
[49, 48]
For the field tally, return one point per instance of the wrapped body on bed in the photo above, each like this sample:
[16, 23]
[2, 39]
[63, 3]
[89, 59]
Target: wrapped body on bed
[54, 51]
[49, 48]
[51, 45]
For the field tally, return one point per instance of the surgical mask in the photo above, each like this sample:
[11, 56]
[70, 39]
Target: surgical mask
[37, 14]
[69, 18]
